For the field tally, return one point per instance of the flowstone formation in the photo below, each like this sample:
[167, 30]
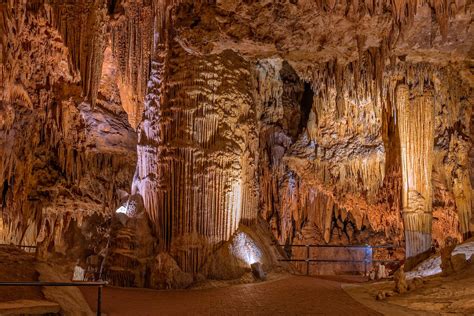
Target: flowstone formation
[326, 122]
[199, 124]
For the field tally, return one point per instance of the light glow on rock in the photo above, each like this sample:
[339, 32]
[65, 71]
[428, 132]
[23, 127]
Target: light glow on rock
[244, 248]
[121, 209]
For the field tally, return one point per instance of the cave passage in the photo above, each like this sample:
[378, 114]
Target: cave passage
[239, 152]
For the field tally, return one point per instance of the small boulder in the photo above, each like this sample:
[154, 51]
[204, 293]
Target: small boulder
[257, 271]
[372, 275]
[459, 262]
[380, 296]
[400, 280]
[389, 293]
[166, 274]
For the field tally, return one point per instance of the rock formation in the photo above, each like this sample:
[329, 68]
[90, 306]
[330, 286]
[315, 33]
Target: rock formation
[335, 122]
[63, 161]
[446, 256]
[400, 281]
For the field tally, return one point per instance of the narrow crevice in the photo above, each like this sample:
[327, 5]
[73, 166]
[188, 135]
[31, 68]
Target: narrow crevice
[305, 106]
[4, 193]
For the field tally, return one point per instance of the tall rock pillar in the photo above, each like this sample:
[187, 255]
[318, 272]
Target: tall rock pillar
[416, 128]
[196, 149]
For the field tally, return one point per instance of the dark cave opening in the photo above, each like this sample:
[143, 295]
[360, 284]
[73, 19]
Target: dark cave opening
[114, 7]
[4, 193]
[306, 105]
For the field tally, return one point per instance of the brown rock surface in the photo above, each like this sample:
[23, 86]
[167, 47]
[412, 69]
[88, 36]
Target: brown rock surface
[336, 122]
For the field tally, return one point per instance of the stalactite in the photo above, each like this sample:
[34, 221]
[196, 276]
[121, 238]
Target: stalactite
[354, 105]
[50, 155]
[211, 155]
[83, 29]
[132, 40]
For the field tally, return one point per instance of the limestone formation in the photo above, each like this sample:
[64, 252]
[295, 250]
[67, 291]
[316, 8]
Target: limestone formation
[415, 120]
[62, 161]
[381, 272]
[447, 266]
[148, 138]
[400, 281]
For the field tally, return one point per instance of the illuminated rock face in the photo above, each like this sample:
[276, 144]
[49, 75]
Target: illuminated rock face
[196, 158]
[245, 110]
[416, 129]
[372, 164]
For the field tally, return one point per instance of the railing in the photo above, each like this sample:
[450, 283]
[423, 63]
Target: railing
[27, 248]
[40, 283]
[368, 256]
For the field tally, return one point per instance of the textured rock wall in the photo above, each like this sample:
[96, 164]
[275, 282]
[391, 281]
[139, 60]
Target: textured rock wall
[62, 161]
[245, 109]
[347, 176]
[348, 168]
[196, 160]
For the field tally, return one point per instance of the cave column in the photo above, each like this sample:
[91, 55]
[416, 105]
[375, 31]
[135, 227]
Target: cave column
[416, 121]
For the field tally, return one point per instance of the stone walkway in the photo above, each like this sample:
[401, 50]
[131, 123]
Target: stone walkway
[295, 295]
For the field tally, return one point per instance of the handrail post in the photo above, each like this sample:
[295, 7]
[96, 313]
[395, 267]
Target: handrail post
[366, 259]
[307, 259]
[99, 300]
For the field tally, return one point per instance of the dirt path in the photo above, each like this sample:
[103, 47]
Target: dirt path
[295, 295]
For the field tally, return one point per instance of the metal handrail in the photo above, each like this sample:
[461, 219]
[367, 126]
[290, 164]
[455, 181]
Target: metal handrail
[308, 260]
[339, 246]
[26, 248]
[335, 260]
[99, 284]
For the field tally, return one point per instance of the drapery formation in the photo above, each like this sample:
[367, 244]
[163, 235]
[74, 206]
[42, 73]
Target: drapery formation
[195, 158]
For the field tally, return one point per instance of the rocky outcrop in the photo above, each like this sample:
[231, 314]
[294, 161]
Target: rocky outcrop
[131, 247]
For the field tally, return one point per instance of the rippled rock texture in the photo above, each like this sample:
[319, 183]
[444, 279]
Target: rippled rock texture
[334, 121]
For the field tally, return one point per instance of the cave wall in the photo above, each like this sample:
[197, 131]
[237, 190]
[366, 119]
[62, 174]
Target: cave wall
[244, 110]
[350, 176]
[346, 177]
[63, 161]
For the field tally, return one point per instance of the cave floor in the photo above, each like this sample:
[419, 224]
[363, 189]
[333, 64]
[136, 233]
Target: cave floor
[293, 295]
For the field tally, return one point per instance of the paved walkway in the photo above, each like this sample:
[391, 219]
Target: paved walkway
[295, 295]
